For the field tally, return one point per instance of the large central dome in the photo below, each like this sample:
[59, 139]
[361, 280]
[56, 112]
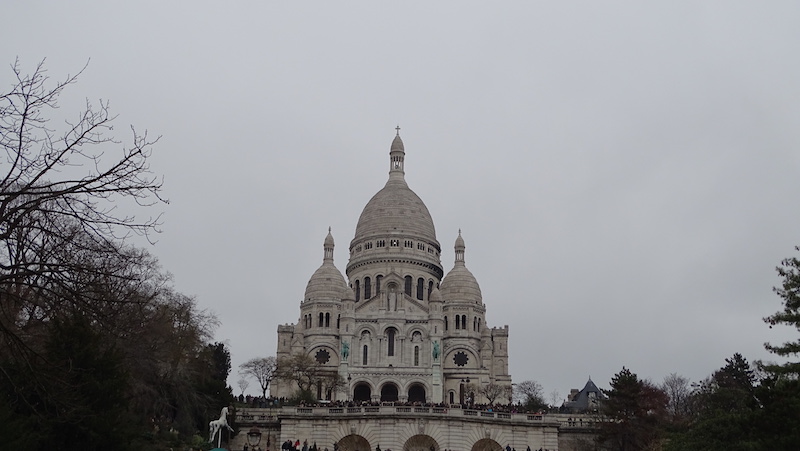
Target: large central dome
[396, 209]
[395, 232]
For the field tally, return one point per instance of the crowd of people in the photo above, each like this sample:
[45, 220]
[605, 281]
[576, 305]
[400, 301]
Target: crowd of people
[270, 402]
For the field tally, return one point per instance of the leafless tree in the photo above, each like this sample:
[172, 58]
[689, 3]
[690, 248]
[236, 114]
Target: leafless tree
[493, 391]
[531, 394]
[555, 397]
[262, 369]
[679, 392]
[64, 186]
[308, 374]
[243, 384]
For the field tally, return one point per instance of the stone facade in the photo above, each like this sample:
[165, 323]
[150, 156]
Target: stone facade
[398, 329]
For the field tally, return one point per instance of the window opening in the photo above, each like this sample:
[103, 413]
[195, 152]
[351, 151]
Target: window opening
[390, 337]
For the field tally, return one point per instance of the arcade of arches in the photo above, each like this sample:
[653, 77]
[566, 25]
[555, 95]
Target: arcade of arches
[418, 442]
[389, 393]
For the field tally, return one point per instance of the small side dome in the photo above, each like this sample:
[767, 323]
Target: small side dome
[459, 285]
[327, 281]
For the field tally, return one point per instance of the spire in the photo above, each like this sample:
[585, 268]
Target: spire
[397, 156]
[328, 247]
[459, 249]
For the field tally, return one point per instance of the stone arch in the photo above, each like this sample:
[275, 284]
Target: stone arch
[421, 442]
[362, 391]
[390, 392]
[391, 325]
[416, 392]
[365, 328]
[417, 329]
[353, 442]
[486, 444]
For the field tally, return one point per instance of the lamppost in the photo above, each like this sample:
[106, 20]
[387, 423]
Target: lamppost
[254, 438]
[349, 387]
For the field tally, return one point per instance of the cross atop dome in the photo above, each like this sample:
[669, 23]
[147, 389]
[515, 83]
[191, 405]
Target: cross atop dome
[398, 129]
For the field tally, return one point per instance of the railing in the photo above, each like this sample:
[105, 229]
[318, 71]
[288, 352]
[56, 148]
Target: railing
[254, 415]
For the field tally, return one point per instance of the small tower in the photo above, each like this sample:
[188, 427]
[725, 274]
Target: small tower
[397, 155]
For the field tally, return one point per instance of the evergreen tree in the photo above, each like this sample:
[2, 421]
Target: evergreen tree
[636, 411]
[789, 316]
[725, 411]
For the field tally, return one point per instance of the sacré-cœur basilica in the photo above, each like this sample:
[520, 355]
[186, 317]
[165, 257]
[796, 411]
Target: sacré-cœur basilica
[398, 329]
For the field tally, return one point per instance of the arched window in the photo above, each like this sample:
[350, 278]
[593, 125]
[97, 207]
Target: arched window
[445, 323]
[364, 356]
[475, 324]
[338, 320]
[458, 322]
[430, 289]
[452, 397]
[327, 320]
[321, 317]
[378, 284]
[367, 288]
[420, 288]
[409, 281]
[416, 355]
[463, 321]
[358, 291]
[390, 333]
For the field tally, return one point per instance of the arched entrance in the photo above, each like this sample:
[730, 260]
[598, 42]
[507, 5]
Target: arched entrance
[353, 442]
[421, 443]
[486, 444]
[389, 392]
[416, 393]
[362, 392]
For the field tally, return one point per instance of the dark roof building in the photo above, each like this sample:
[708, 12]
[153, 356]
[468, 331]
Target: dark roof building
[586, 400]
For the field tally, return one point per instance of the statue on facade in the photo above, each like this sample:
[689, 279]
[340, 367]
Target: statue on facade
[435, 350]
[214, 426]
[345, 350]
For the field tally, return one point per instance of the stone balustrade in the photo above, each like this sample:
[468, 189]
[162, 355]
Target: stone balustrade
[255, 415]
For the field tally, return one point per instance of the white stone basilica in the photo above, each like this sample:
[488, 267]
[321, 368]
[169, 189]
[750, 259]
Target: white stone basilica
[399, 330]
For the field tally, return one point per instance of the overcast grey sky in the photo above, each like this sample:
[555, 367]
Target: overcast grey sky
[625, 174]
